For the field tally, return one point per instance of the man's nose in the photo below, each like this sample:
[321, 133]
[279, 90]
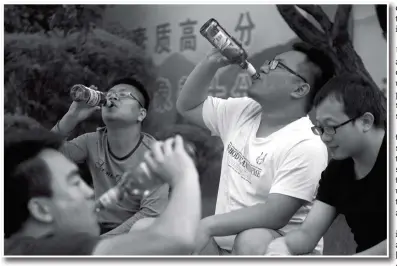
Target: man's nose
[265, 69]
[88, 191]
[325, 137]
[112, 96]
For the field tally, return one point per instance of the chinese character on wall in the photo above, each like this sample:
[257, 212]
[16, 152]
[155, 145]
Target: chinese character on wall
[188, 39]
[241, 85]
[139, 37]
[217, 90]
[163, 38]
[245, 28]
[162, 97]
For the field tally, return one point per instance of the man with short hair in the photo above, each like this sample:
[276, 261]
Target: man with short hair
[112, 150]
[271, 162]
[50, 210]
[351, 120]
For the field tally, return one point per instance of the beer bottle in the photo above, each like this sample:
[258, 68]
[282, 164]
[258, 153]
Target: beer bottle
[227, 46]
[139, 181]
[81, 93]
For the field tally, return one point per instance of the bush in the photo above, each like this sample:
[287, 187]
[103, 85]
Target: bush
[46, 18]
[40, 69]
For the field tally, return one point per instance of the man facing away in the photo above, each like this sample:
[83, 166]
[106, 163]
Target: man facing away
[351, 120]
[50, 210]
[112, 150]
[272, 161]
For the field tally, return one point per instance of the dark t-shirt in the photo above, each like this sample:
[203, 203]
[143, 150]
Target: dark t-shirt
[363, 202]
[56, 245]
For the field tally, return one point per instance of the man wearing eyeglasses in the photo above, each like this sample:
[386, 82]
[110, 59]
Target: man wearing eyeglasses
[112, 150]
[351, 120]
[272, 162]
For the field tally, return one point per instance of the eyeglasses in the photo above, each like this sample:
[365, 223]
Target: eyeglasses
[275, 63]
[123, 94]
[330, 130]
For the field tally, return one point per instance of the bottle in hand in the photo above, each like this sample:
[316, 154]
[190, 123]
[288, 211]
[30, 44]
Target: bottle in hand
[227, 46]
[81, 93]
[139, 181]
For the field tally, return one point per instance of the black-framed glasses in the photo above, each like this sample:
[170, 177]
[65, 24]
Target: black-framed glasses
[275, 63]
[123, 94]
[330, 130]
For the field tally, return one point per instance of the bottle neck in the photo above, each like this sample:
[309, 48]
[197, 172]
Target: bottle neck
[251, 70]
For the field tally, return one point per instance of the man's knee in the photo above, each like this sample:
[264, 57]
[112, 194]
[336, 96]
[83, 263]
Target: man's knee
[211, 249]
[142, 224]
[253, 241]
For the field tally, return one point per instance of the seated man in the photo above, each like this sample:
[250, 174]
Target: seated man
[272, 162]
[112, 150]
[351, 120]
[49, 209]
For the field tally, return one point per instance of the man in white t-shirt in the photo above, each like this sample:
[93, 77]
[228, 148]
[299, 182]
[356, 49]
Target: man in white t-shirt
[272, 162]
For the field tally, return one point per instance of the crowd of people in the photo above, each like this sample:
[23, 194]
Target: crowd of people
[301, 148]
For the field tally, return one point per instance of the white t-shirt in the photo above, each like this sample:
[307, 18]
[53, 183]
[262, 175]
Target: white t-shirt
[289, 161]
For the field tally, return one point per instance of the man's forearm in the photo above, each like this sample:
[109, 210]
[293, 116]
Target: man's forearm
[243, 219]
[379, 249]
[183, 212]
[65, 125]
[126, 226]
[195, 89]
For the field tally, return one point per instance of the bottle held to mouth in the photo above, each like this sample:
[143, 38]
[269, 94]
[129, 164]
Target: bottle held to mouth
[227, 46]
[81, 93]
[139, 181]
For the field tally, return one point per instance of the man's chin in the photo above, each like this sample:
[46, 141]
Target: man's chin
[252, 95]
[338, 156]
[109, 117]
[250, 92]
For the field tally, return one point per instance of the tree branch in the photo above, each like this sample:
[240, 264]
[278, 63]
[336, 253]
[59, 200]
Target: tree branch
[319, 15]
[340, 32]
[334, 42]
[301, 26]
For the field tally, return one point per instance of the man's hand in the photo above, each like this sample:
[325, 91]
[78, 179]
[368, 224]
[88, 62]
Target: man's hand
[170, 161]
[202, 237]
[215, 58]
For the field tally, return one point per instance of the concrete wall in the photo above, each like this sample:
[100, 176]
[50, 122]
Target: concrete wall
[170, 36]
[172, 40]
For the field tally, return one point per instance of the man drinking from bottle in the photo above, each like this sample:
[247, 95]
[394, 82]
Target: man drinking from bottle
[113, 149]
[272, 161]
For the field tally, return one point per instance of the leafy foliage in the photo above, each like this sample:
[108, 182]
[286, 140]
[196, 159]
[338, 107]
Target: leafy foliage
[39, 70]
[49, 48]
[46, 18]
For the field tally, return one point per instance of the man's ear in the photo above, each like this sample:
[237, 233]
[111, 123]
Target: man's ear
[40, 210]
[142, 114]
[301, 91]
[367, 121]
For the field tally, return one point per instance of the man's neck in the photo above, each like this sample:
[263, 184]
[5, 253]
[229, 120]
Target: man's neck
[33, 230]
[123, 140]
[365, 159]
[272, 121]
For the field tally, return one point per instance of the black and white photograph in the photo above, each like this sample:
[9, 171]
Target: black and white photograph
[199, 131]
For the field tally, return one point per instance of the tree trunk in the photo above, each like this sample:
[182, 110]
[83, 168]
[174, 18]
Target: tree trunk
[333, 38]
